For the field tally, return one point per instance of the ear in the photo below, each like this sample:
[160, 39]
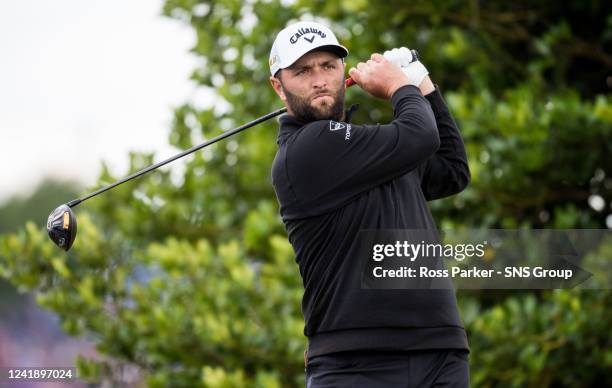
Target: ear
[278, 88]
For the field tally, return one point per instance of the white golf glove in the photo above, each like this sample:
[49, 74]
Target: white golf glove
[414, 69]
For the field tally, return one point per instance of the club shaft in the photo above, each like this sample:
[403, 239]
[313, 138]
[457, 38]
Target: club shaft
[191, 150]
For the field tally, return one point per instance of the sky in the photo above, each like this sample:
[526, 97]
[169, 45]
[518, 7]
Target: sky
[83, 82]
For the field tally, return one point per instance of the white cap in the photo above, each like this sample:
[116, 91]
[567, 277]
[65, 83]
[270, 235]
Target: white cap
[300, 38]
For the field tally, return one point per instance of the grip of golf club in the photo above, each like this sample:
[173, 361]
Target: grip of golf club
[350, 82]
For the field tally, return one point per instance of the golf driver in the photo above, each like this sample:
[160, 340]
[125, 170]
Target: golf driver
[62, 223]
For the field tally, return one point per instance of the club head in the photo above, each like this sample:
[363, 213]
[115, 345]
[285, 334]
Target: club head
[62, 227]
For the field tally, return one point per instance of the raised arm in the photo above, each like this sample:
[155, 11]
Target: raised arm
[329, 163]
[446, 172]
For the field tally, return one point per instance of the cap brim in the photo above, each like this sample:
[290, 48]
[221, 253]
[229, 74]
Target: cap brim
[339, 50]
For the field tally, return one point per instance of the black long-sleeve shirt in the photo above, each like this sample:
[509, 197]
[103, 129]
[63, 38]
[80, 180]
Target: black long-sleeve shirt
[333, 179]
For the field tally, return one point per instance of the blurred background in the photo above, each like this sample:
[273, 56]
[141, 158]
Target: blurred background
[185, 277]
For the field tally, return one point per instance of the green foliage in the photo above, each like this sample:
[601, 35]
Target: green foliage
[186, 275]
[561, 339]
[178, 310]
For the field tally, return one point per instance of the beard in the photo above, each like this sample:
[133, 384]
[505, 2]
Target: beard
[305, 111]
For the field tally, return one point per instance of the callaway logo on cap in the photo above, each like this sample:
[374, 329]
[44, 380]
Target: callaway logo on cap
[300, 38]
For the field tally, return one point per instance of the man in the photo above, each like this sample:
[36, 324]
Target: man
[334, 178]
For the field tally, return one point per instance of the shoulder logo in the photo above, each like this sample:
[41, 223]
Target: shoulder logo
[335, 126]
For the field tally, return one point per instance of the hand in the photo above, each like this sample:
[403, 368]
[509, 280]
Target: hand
[379, 77]
[415, 71]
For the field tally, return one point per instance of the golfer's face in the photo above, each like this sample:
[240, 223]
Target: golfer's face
[316, 78]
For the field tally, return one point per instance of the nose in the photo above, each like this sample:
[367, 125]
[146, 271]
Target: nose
[318, 79]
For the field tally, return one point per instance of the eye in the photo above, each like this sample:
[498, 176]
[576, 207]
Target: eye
[301, 72]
